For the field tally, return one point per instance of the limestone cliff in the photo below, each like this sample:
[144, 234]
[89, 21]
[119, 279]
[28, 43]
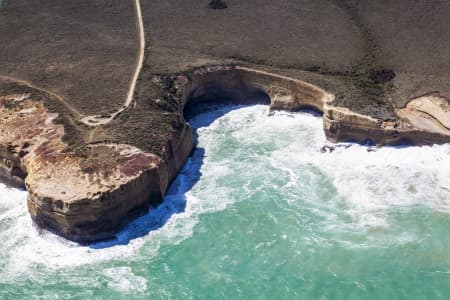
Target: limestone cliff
[87, 193]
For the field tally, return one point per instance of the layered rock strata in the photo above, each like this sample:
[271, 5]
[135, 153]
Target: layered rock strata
[83, 196]
[425, 120]
[88, 193]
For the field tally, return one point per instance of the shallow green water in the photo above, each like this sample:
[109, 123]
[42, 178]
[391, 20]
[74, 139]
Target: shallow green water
[259, 212]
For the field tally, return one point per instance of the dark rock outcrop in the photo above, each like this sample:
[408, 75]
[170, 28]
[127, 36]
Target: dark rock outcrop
[217, 4]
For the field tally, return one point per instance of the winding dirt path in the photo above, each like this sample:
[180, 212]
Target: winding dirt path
[96, 120]
[73, 110]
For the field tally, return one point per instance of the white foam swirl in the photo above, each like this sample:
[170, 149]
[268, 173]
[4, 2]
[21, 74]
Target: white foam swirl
[368, 185]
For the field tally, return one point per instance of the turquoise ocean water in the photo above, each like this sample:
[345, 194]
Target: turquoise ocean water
[259, 212]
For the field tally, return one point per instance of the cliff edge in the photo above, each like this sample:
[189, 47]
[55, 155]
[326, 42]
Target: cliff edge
[94, 127]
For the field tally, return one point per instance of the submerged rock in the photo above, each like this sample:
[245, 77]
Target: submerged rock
[327, 149]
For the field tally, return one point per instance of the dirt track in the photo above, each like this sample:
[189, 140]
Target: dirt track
[95, 120]
[84, 51]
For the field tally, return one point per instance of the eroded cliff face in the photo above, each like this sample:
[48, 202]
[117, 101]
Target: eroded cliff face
[85, 196]
[425, 120]
[413, 125]
[89, 192]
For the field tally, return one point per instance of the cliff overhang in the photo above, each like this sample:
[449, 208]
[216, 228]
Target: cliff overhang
[89, 195]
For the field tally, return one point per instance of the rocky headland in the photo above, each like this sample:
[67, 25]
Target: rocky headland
[85, 181]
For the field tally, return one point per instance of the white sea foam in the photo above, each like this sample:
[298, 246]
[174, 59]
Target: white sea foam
[123, 279]
[368, 185]
[23, 247]
[370, 181]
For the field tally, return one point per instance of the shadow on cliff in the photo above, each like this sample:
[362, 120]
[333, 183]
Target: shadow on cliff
[175, 200]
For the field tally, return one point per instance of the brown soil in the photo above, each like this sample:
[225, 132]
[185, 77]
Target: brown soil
[84, 51]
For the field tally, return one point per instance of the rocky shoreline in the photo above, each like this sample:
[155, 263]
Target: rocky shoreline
[87, 192]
